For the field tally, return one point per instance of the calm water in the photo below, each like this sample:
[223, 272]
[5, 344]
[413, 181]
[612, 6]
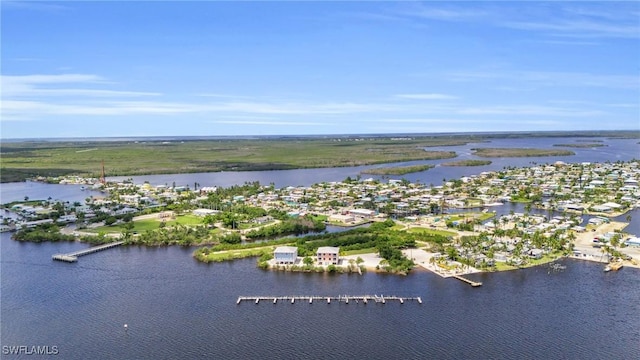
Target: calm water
[176, 307]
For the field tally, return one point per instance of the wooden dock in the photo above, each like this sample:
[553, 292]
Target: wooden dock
[382, 299]
[73, 257]
[472, 283]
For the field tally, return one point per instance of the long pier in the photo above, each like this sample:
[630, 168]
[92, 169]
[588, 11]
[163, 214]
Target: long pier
[73, 256]
[382, 299]
[470, 282]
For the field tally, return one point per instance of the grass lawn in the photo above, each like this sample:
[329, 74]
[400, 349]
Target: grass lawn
[397, 227]
[246, 226]
[233, 254]
[471, 216]
[431, 231]
[186, 220]
[320, 217]
[361, 251]
[149, 224]
[547, 258]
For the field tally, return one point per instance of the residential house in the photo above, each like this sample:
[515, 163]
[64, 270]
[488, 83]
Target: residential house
[327, 255]
[285, 254]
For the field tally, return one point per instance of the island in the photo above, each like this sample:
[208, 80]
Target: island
[397, 170]
[519, 152]
[582, 145]
[467, 163]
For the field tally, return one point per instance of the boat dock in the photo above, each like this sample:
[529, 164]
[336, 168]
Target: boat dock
[328, 299]
[472, 283]
[73, 257]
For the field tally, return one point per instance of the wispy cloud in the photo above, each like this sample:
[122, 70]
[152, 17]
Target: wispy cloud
[590, 20]
[34, 6]
[268, 123]
[438, 11]
[551, 78]
[578, 28]
[431, 96]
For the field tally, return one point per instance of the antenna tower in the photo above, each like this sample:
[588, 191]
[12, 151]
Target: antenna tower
[102, 179]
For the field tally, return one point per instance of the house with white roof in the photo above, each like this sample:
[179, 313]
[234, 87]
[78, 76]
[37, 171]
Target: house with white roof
[285, 255]
[327, 255]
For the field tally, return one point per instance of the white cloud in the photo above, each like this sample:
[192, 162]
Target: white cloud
[268, 123]
[438, 12]
[578, 28]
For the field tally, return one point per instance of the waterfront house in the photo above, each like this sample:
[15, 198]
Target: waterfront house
[536, 253]
[285, 254]
[327, 255]
[632, 241]
[365, 213]
[342, 218]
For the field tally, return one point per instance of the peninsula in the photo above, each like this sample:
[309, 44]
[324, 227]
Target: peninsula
[449, 229]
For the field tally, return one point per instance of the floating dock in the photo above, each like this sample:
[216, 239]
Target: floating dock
[73, 257]
[472, 283]
[340, 298]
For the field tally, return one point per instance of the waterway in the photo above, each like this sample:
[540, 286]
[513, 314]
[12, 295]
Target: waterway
[176, 307]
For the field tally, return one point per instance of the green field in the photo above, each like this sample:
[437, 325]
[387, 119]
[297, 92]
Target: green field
[21, 160]
[361, 251]
[422, 230]
[149, 224]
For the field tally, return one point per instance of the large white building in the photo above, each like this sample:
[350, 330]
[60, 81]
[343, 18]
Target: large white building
[285, 254]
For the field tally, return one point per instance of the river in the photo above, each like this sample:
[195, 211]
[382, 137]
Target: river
[176, 307]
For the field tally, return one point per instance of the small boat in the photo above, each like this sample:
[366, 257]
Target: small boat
[614, 266]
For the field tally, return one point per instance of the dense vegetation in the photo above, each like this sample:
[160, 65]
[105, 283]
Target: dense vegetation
[467, 163]
[519, 152]
[581, 145]
[51, 232]
[378, 236]
[400, 170]
[175, 235]
[287, 227]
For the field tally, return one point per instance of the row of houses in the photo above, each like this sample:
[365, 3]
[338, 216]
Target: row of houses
[288, 255]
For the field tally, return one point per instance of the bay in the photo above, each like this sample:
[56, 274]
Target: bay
[176, 307]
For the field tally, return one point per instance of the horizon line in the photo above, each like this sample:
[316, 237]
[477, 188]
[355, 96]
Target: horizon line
[590, 133]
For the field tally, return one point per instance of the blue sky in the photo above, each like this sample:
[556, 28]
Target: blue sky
[161, 68]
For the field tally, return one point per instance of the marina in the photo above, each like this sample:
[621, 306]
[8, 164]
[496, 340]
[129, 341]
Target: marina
[73, 256]
[382, 299]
